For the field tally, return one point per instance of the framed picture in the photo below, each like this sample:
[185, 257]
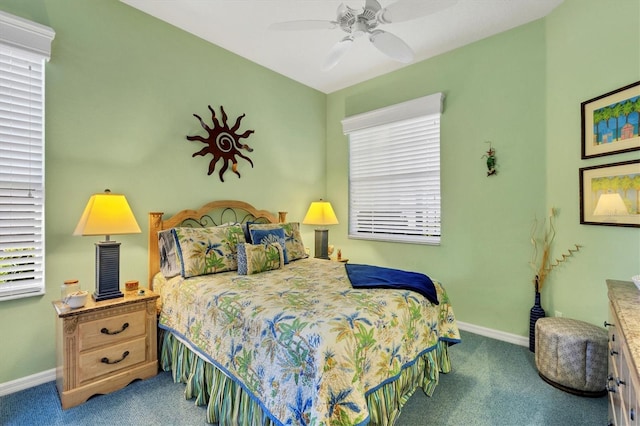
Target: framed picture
[610, 194]
[610, 122]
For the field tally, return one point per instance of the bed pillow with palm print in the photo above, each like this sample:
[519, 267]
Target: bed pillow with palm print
[256, 258]
[270, 236]
[293, 239]
[211, 250]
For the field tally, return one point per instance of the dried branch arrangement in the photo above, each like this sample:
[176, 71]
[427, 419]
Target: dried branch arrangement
[543, 244]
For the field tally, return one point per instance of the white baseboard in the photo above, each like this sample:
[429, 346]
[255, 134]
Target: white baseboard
[27, 382]
[494, 334]
[50, 375]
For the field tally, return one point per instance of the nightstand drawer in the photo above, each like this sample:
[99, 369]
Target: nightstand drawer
[111, 330]
[110, 359]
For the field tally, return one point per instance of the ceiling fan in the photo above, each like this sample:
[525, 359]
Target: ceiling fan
[365, 21]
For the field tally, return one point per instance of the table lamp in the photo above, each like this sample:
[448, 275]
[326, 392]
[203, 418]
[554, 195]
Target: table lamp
[107, 214]
[321, 213]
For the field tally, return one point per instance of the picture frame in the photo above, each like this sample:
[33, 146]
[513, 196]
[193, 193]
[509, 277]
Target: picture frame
[609, 194]
[611, 122]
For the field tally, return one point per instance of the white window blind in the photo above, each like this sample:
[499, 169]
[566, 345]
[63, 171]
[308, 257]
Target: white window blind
[394, 172]
[21, 157]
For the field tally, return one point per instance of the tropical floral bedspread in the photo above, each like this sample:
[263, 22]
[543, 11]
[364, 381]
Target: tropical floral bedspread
[305, 344]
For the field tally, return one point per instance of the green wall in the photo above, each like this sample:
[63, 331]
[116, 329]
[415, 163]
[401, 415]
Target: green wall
[494, 91]
[582, 63]
[522, 91]
[122, 88]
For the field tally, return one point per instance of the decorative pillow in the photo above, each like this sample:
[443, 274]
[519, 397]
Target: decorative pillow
[169, 260]
[242, 258]
[253, 259]
[293, 239]
[208, 250]
[270, 236]
[246, 226]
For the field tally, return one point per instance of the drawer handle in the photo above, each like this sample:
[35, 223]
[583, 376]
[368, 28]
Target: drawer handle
[612, 352]
[106, 360]
[607, 324]
[105, 330]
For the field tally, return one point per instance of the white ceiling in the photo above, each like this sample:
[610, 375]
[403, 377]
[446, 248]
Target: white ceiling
[241, 26]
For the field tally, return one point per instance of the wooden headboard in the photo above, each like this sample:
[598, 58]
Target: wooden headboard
[211, 214]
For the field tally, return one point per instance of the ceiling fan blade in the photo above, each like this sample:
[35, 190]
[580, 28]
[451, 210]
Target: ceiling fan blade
[406, 10]
[372, 5]
[341, 11]
[303, 25]
[392, 46]
[337, 52]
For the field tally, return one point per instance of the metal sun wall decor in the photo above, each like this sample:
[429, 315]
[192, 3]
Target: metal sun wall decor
[491, 160]
[223, 143]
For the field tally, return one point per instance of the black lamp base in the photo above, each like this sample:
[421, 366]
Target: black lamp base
[107, 271]
[322, 244]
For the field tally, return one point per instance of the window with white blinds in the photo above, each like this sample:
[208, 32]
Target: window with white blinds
[21, 157]
[394, 172]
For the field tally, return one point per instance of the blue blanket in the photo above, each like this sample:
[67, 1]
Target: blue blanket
[366, 276]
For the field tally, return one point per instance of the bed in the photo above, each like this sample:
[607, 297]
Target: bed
[264, 342]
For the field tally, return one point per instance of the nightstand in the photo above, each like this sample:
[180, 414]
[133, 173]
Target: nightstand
[104, 346]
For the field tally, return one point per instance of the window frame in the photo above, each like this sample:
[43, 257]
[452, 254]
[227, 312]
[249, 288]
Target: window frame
[25, 46]
[397, 131]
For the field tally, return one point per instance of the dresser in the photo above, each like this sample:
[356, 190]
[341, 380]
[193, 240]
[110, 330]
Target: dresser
[623, 379]
[105, 345]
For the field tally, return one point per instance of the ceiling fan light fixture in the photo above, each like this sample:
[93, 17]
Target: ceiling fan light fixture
[359, 29]
[365, 20]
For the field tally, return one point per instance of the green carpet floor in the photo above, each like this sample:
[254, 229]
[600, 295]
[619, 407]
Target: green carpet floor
[496, 383]
[492, 383]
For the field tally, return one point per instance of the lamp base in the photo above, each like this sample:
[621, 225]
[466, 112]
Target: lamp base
[107, 271]
[322, 244]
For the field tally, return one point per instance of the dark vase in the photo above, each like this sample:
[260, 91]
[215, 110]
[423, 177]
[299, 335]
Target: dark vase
[534, 315]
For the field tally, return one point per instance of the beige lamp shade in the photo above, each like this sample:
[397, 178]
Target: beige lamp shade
[107, 214]
[610, 204]
[320, 213]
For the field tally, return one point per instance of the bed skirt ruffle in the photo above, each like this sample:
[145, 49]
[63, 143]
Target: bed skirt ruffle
[228, 403]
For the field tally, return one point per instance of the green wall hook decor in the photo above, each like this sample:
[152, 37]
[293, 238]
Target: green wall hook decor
[491, 160]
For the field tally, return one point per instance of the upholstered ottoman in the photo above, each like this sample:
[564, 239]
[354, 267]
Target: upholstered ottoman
[572, 355]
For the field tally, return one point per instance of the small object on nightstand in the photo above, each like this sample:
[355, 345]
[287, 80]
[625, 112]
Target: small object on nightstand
[339, 254]
[131, 285]
[141, 292]
[77, 300]
[68, 288]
